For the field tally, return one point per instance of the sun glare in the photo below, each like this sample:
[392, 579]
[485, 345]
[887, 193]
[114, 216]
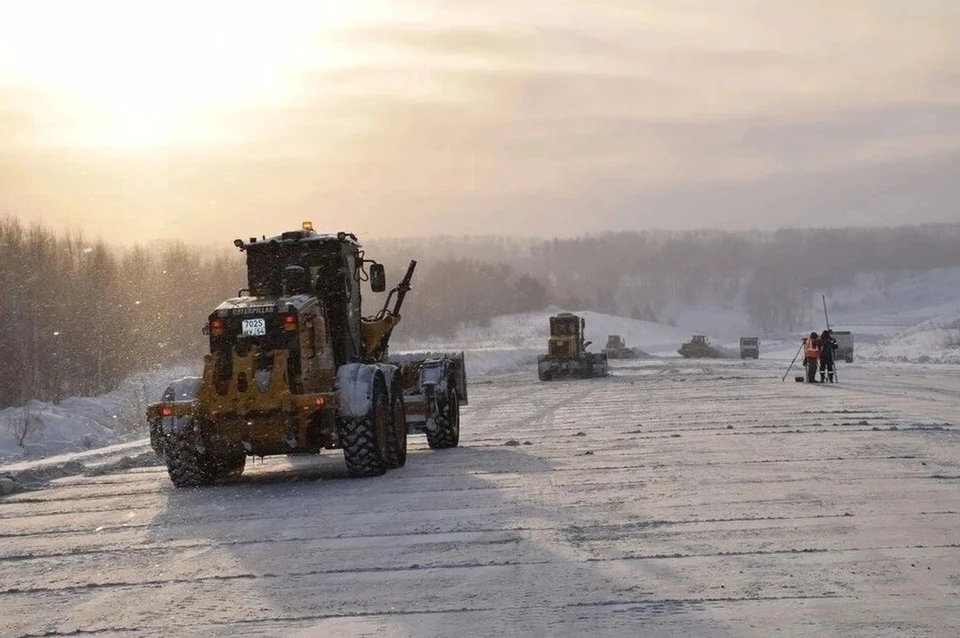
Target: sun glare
[135, 75]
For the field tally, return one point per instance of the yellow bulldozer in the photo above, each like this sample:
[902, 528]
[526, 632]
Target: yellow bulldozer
[567, 356]
[294, 367]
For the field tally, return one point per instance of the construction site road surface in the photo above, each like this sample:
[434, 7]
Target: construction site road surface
[673, 498]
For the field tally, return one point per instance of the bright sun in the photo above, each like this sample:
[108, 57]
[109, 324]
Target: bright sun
[124, 74]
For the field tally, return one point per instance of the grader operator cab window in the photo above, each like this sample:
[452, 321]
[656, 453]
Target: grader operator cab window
[565, 327]
[295, 281]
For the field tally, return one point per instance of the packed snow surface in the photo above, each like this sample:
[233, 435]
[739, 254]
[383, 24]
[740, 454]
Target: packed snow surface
[673, 498]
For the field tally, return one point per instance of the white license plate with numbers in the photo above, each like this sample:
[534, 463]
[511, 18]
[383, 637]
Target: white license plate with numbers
[255, 327]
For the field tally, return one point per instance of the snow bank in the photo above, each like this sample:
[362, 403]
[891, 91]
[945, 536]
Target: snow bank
[484, 361]
[41, 429]
[933, 341]
[38, 429]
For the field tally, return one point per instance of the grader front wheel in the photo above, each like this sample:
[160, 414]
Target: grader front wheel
[187, 463]
[364, 440]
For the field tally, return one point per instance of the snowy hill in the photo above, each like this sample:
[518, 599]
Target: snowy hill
[875, 305]
[910, 319]
[525, 335]
[932, 341]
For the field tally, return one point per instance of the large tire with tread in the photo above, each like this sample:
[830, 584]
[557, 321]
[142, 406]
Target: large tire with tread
[187, 463]
[447, 434]
[364, 440]
[397, 437]
[231, 466]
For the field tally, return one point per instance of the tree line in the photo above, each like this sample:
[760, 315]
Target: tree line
[771, 276]
[77, 316]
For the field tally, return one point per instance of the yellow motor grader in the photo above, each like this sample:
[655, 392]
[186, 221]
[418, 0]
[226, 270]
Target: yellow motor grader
[616, 348]
[294, 367]
[567, 356]
[699, 348]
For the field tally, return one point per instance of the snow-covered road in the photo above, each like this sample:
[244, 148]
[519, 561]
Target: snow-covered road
[674, 498]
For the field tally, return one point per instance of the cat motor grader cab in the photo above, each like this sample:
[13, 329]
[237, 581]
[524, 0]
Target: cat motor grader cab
[567, 356]
[294, 367]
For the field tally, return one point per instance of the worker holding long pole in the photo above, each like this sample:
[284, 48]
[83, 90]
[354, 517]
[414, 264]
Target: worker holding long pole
[828, 345]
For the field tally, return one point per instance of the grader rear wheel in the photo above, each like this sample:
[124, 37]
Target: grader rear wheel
[187, 463]
[397, 436]
[232, 465]
[447, 434]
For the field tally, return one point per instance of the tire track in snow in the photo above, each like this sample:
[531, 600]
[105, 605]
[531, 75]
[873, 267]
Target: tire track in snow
[15, 591]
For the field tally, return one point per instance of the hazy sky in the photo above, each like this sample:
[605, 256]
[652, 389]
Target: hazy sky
[212, 120]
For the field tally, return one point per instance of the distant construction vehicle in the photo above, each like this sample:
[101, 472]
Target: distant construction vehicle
[293, 367]
[567, 356]
[699, 348]
[616, 348]
[844, 345]
[749, 348]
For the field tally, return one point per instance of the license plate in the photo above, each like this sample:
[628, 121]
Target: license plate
[254, 327]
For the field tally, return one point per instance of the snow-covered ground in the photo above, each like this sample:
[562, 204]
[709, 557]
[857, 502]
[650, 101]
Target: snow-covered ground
[674, 498]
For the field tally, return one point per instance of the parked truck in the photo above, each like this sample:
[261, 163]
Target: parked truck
[749, 348]
[844, 345]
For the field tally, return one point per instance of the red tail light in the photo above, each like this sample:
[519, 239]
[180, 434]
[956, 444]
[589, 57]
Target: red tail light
[216, 327]
[166, 411]
[289, 322]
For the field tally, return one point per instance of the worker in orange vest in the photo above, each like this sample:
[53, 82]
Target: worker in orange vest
[811, 356]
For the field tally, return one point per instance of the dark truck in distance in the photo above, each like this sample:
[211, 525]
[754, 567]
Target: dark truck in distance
[749, 348]
[844, 345]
